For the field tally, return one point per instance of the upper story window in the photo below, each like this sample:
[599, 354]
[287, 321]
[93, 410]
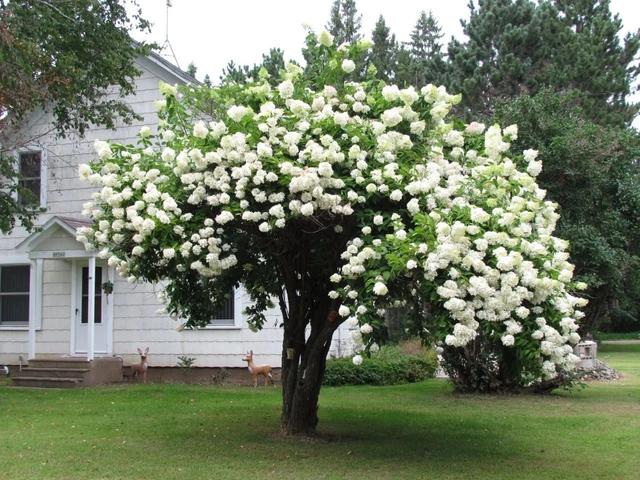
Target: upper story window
[224, 315]
[32, 178]
[14, 294]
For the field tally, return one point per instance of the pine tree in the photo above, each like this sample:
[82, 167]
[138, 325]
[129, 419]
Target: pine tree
[235, 73]
[425, 37]
[351, 21]
[426, 50]
[273, 62]
[383, 51]
[334, 26]
[519, 47]
[405, 68]
[506, 45]
[344, 21]
[192, 69]
[596, 62]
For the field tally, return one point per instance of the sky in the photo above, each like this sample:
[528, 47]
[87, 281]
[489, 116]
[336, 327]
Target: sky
[212, 32]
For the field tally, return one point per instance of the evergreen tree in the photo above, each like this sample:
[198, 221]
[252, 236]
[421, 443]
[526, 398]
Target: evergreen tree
[405, 69]
[426, 51]
[596, 62]
[344, 21]
[383, 52]
[272, 62]
[351, 21]
[235, 73]
[425, 37]
[334, 26]
[519, 47]
[506, 46]
[192, 69]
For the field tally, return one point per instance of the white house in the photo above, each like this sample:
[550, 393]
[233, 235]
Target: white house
[46, 297]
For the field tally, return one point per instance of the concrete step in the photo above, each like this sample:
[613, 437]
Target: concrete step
[53, 372]
[60, 362]
[47, 382]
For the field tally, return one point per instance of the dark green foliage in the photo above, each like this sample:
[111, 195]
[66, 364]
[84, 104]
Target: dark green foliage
[344, 21]
[596, 61]
[519, 47]
[192, 69]
[383, 51]
[405, 70]
[334, 25]
[78, 49]
[620, 321]
[428, 65]
[351, 22]
[389, 366]
[272, 63]
[235, 73]
[62, 56]
[592, 171]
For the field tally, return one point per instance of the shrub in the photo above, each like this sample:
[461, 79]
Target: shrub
[389, 366]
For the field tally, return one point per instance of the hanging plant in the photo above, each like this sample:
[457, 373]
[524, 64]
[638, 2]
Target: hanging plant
[107, 287]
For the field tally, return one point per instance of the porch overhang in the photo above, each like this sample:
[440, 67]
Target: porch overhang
[56, 238]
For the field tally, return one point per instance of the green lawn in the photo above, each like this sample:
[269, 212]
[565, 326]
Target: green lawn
[412, 431]
[617, 336]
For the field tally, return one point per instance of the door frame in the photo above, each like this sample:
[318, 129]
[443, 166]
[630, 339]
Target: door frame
[75, 304]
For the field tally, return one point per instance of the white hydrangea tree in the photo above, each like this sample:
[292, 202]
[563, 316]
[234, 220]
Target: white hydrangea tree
[339, 199]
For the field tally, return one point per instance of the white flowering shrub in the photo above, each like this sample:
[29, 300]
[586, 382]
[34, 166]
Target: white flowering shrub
[340, 198]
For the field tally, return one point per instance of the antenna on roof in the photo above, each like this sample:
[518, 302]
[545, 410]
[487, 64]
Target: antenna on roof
[167, 43]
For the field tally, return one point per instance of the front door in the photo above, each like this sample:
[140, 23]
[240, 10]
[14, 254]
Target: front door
[81, 311]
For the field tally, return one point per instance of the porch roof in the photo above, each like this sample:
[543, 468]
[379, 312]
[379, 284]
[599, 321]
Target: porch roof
[56, 238]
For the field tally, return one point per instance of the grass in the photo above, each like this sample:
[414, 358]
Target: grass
[418, 431]
[617, 336]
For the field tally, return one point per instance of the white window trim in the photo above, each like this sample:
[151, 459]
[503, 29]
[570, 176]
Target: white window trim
[237, 315]
[35, 298]
[44, 171]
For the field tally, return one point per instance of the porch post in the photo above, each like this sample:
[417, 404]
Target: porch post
[32, 309]
[91, 310]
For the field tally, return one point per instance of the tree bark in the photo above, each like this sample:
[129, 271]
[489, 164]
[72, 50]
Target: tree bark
[305, 260]
[303, 366]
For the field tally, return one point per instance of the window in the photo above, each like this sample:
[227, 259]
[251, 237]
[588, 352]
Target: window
[223, 316]
[14, 294]
[30, 169]
[97, 316]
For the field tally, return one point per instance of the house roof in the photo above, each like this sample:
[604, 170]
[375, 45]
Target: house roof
[68, 224]
[74, 223]
[171, 68]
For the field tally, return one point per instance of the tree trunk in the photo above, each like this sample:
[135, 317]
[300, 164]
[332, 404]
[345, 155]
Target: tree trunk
[303, 365]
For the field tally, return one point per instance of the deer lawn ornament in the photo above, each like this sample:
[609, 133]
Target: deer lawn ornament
[140, 370]
[255, 370]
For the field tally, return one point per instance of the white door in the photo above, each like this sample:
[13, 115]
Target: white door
[101, 320]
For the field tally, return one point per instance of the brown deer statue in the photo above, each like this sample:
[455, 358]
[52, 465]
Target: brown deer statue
[255, 370]
[140, 370]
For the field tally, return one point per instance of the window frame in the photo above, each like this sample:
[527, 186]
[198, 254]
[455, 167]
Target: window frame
[230, 326]
[17, 325]
[44, 174]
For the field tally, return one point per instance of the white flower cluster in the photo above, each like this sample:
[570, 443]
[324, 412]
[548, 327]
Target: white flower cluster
[466, 222]
[488, 249]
